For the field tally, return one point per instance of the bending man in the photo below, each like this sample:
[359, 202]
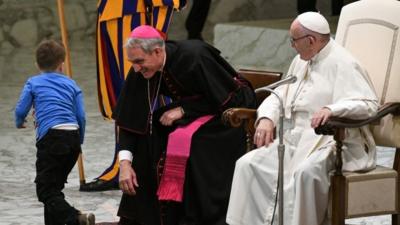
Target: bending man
[116, 19]
[193, 187]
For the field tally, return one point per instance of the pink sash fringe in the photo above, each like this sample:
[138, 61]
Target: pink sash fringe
[178, 151]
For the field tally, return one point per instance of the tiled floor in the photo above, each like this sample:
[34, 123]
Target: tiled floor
[18, 203]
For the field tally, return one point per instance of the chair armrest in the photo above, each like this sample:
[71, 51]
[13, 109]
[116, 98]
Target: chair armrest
[336, 126]
[237, 117]
[334, 123]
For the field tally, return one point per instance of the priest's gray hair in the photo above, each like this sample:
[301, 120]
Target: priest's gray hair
[147, 45]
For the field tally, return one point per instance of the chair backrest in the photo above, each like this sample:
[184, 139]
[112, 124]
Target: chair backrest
[260, 78]
[369, 29]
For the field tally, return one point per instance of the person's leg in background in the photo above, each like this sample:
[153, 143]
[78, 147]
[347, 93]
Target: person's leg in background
[310, 5]
[108, 180]
[306, 6]
[197, 18]
[337, 7]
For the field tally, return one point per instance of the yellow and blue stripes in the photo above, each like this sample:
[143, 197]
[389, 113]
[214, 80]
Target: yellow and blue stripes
[116, 19]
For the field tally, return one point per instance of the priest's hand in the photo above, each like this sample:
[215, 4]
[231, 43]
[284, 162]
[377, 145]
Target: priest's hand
[264, 134]
[168, 117]
[127, 178]
[320, 117]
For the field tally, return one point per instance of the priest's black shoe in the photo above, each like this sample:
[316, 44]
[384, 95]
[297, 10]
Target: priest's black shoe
[99, 185]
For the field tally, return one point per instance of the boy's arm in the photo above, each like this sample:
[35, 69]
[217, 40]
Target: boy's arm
[80, 115]
[23, 106]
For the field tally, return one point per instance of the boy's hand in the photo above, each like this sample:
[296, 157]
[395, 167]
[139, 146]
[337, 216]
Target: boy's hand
[23, 125]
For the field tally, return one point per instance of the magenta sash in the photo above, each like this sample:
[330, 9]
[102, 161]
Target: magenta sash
[178, 151]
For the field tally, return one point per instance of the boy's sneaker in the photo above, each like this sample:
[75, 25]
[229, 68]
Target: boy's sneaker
[86, 219]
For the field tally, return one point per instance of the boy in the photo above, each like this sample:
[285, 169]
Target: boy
[60, 128]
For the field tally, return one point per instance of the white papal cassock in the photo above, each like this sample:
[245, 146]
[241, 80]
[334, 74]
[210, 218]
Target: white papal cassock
[333, 79]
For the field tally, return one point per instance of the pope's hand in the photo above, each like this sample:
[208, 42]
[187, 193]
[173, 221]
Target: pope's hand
[320, 117]
[264, 134]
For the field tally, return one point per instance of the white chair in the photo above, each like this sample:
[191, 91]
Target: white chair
[369, 29]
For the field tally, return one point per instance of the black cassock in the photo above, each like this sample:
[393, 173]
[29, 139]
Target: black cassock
[199, 80]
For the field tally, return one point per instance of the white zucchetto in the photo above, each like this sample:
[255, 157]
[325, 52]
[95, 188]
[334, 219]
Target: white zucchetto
[314, 22]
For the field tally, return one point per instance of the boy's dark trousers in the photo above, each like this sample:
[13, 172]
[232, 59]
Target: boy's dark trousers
[56, 155]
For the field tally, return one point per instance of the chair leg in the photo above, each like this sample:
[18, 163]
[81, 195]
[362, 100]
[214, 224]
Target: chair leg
[396, 166]
[395, 219]
[338, 199]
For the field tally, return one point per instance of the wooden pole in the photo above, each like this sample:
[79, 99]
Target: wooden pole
[64, 36]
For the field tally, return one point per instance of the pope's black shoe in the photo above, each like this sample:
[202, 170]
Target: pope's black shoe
[99, 185]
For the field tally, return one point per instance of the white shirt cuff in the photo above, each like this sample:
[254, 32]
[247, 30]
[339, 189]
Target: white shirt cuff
[125, 155]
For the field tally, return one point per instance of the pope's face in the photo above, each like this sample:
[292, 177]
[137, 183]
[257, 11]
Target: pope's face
[146, 63]
[301, 42]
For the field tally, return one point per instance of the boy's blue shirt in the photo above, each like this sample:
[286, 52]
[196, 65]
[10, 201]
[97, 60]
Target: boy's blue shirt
[56, 99]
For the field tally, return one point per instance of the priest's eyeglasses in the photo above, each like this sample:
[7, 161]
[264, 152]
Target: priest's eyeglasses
[293, 40]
